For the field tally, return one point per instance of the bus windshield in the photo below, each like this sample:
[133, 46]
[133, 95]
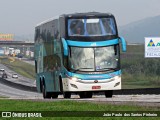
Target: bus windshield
[91, 27]
[94, 59]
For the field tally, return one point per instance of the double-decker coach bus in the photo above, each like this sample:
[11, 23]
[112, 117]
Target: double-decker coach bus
[78, 53]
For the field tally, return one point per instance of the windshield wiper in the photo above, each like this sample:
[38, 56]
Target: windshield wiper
[75, 70]
[108, 69]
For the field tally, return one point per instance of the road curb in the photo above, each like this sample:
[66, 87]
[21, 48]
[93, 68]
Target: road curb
[141, 91]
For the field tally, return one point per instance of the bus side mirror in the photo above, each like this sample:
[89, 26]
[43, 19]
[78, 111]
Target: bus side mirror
[122, 40]
[65, 47]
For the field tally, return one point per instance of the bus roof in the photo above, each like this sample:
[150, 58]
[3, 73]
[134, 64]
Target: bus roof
[48, 20]
[88, 14]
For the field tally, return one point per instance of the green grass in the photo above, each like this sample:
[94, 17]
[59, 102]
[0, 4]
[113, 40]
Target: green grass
[133, 82]
[28, 105]
[137, 71]
[1, 97]
[20, 67]
[135, 49]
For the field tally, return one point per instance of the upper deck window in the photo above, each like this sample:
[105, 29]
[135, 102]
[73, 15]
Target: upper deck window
[91, 27]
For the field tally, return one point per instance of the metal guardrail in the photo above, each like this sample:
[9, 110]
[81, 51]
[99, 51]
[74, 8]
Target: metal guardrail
[18, 86]
[141, 91]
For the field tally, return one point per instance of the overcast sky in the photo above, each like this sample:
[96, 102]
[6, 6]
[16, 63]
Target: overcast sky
[21, 16]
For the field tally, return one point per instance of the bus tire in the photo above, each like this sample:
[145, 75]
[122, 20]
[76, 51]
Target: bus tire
[61, 86]
[54, 95]
[66, 94]
[41, 86]
[89, 95]
[108, 94]
[85, 94]
[45, 93]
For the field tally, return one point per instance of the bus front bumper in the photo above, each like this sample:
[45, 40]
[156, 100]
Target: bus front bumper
[77, 85]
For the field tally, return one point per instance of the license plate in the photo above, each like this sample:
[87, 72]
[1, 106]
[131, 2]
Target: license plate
[96, 87]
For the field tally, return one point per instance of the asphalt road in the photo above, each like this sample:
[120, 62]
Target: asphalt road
[140, 100]
[21, 79]
[13, 93]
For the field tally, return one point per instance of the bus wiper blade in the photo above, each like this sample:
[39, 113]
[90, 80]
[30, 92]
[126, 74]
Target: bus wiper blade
[108, 69]
[81, 68]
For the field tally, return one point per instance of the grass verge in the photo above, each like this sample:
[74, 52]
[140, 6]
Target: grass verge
[26, 105]
[138, 71]
[1, 97]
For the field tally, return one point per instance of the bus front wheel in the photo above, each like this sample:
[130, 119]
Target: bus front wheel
[67, 94]
[108, 94]
[54, 95]
[85, 94]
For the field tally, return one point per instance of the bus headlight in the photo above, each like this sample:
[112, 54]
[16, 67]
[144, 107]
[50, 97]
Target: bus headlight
[74, 79]
[117, 77]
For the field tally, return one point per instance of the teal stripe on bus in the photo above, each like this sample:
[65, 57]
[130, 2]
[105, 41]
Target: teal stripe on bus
[94, 76]
[94, 44]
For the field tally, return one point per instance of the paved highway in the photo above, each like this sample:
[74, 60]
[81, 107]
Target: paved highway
[140, 100]
[20, 79]
[13, 93]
